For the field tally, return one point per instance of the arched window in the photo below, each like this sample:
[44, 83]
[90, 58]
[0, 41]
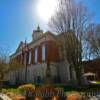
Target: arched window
[43, 52]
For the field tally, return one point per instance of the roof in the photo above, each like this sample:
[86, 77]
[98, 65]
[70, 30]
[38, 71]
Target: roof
[38, 29]
[44, 34]
[89, 74]
[95, 64]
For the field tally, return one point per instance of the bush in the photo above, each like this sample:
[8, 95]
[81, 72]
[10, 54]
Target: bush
[27, 90]
[27, 87]
[4, 91]
[11, 90]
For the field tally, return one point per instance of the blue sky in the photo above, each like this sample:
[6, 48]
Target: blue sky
[18, 18]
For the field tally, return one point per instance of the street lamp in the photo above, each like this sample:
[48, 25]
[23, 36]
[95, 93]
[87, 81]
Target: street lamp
[1, 81]
[25, 52]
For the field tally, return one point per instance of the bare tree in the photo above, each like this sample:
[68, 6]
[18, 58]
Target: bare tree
[93, 38]
[76, 17]
[15, 66]
[3, 65]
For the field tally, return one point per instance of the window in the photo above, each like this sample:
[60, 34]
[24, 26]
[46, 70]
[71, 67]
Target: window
[29, 60]
[36, 55]
[43, 53]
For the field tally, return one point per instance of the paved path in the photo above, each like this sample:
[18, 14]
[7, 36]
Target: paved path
[4, 97]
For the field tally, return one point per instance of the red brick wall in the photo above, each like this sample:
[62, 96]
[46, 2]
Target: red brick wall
[52, 53]
[92, 66]
[33, 54]
[18, 58]
[40, 54]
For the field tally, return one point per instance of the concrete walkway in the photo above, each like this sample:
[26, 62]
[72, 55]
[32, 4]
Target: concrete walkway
[4, 97]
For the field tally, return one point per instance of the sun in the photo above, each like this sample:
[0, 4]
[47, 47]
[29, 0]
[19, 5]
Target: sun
[46, 8]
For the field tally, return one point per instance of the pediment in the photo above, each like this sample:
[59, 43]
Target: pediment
[20, 46]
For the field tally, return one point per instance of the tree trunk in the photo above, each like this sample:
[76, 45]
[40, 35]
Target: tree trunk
[78, 75]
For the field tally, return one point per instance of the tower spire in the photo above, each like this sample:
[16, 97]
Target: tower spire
[38, 28]
[37, 33]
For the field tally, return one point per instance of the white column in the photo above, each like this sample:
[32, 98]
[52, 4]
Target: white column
[29, 60]
[36, 55]
[43, 53]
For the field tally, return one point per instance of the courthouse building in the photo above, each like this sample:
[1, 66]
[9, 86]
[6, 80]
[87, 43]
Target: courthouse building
[42, 56]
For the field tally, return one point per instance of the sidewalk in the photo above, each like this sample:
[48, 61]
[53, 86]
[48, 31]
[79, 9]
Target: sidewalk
[4, 97]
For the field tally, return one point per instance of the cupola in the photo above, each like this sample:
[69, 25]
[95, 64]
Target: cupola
[37, 33]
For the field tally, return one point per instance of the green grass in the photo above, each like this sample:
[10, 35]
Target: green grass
[97, 82]
[11, 90]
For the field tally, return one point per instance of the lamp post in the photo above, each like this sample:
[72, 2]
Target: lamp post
[1, 80]
[25, 51]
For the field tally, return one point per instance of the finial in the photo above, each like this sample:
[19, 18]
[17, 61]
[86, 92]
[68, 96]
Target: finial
[25, 41]
[38, 28]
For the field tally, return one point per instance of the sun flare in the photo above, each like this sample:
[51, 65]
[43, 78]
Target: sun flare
[46, 9]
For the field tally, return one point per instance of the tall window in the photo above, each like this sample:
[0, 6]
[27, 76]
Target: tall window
[29, 60]
[36, 55]
[43, 52]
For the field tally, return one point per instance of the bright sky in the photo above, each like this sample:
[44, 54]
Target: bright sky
[18, 18]
[46, 8]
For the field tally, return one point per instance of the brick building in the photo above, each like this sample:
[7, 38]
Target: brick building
[43, 53]
[92, 66]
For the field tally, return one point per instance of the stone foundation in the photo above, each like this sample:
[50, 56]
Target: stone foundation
[37, 73]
